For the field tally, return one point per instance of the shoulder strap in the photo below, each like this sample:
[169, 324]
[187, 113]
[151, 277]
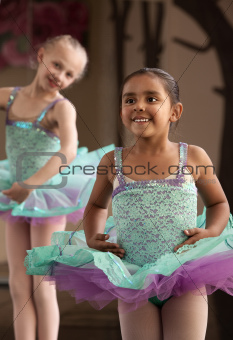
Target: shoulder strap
[183, 158]
[41, 116]
[118, 165]
[11, 99]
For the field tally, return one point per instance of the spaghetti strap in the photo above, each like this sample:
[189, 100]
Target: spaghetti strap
[183, 159]
[48, 107]
[118, 165]
[11, 99]
[183, 154]
[42, 114]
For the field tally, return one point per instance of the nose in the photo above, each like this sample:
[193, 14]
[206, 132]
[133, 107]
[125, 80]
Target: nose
[139, 104]
[58, 77]
[139, 107]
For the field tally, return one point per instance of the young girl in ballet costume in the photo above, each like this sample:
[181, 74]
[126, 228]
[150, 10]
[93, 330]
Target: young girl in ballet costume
[155, 255]
[39, 123]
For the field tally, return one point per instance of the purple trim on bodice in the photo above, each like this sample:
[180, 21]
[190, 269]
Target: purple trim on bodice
[36, 123]
[177, 182]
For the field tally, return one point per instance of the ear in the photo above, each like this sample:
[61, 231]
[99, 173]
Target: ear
[40, 55]
[121, 113]
[176, 112]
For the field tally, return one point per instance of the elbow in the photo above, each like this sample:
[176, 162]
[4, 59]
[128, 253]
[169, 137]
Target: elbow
[69, 154]
[71, 157]
[228, 208]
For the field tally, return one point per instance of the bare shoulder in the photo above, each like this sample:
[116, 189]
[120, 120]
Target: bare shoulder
[4, 96]
[64, 110]
[199, 163]
[107, 166]
[198, 155]
[108, 159]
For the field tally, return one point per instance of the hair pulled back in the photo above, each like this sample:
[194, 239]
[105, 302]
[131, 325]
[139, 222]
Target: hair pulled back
[50, 42]
[170, 85]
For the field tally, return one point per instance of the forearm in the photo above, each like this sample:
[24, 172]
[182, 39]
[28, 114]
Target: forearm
[217, 217]
[51, 168]
[94, 220]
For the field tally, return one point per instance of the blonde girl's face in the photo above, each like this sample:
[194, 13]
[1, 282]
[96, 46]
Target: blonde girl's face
[146, 107]
[59, 66]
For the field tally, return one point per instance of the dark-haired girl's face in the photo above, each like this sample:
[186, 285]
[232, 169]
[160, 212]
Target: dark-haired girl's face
[146, 107]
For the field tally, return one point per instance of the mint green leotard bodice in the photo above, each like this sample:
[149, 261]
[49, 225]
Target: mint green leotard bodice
[148, 221]
[28, 144]
[150, 216]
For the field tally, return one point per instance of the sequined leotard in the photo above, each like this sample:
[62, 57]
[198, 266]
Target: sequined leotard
[148, 225]
[28, 147]
[28, 143]
[148, 221]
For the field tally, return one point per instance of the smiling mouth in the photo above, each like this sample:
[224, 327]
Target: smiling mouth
[52, 83]
[141, 120]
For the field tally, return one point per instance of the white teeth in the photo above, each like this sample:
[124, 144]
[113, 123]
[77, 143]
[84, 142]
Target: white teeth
[142, 120]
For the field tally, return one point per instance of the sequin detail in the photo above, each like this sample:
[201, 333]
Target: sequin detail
[148, 222]
[22, 136]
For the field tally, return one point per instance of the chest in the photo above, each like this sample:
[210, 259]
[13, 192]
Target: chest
[150, 219]
[149, 168]
[30, 110]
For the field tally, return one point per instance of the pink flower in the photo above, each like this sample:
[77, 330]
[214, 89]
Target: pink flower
[76, 19]
[11, 54]
[11, 12]
[49, 20]
[21, 26]
[66, 17]
[14, 25]
[3, 62]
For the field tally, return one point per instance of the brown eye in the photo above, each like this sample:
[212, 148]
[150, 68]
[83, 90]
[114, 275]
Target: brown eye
[130, 101]
[151, 99]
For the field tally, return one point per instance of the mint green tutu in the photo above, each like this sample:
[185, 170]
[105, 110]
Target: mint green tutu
[148, 221]
[29, 146]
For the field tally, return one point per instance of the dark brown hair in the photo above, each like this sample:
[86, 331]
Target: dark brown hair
[169, 82]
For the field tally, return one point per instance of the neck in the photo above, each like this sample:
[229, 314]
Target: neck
[151, 145]
[35, 90]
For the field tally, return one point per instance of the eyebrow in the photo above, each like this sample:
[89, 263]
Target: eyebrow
[61, 63]
[129, 94]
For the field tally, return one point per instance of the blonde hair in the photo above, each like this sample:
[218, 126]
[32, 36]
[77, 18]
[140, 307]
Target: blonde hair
[50, 42]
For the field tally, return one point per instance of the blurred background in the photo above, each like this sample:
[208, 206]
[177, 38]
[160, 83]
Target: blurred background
[192, 40]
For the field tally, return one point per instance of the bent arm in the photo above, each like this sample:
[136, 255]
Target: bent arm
[4, 96]
[96, 211]
[212, 194]
[66, 119]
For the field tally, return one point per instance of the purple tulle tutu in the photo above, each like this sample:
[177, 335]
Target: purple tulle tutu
[202, 277]
[149, 219]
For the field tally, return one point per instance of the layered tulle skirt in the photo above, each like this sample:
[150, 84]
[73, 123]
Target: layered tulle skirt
[100, 277]
[66, 193]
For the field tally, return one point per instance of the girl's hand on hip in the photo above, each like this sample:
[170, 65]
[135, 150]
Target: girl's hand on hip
[17, 193]
[195, 235]
[98, 242]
